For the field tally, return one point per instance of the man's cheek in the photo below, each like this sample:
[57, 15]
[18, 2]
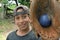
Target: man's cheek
[16, 23]
[29, 20]
[26, 19]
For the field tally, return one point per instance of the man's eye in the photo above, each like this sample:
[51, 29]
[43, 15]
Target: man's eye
[24, 16]
[17, 17]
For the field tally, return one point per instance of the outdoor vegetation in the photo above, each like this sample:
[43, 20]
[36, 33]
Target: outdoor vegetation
[6, 15]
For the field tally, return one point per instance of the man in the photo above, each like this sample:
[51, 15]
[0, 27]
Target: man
[22, 21]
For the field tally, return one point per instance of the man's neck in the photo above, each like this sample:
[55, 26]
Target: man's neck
[23, 32]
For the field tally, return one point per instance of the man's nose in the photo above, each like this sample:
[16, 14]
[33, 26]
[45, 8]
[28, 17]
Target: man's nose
[20, 20]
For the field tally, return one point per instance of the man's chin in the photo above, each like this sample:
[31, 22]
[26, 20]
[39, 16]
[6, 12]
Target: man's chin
[23, 28]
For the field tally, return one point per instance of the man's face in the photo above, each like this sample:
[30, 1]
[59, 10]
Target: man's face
[22, 21]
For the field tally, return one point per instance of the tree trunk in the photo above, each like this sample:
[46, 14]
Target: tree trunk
[2, 13]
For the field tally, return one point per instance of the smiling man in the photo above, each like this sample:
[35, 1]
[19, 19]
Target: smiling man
[22, 21]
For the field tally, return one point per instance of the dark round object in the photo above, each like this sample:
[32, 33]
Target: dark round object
[45, 20]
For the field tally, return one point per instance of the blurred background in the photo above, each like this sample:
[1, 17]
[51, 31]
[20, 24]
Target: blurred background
[6, 15]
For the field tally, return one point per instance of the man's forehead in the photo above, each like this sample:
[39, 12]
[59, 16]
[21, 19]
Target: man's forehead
[19, 10]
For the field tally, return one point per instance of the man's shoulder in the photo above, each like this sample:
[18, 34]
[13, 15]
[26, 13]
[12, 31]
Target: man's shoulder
[31, 34]
[12, 33]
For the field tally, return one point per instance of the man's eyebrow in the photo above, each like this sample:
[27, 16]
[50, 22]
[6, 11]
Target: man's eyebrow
[23, 14]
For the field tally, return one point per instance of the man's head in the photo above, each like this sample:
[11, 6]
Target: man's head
[21, 17]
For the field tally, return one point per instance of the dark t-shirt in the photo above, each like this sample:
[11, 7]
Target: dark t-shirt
[29, 36]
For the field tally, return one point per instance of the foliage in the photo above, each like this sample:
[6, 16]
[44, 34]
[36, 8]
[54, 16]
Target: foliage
[4, 1]
[0, 9]
[25, 2]
[12, 6]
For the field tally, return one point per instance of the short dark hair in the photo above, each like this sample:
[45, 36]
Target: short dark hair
[25, 10]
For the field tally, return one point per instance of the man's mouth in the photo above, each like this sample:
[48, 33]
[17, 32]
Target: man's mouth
[23, 25]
